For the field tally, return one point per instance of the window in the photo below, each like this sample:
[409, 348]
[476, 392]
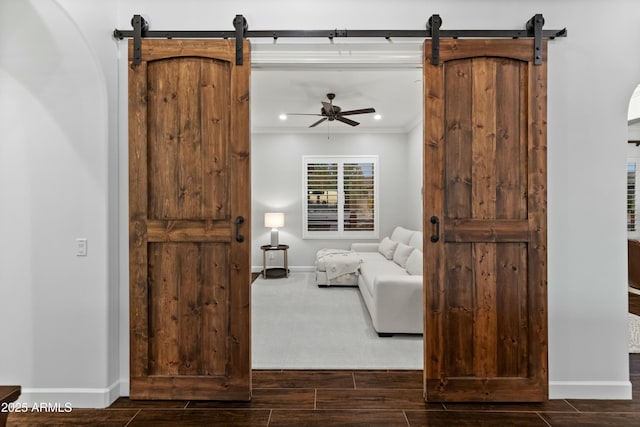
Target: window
[340, 197]
[631, 196]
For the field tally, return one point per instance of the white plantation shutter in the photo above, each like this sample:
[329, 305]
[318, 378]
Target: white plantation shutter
[340, 197]
[322, 196]
[359, 196]
[631, 196]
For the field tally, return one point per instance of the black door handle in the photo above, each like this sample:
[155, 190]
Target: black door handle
[239, 237]
[436, 235]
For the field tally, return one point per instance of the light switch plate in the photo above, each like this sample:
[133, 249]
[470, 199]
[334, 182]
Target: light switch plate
[81, 247]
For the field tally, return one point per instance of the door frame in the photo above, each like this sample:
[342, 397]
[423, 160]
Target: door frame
[374, 56]
[298, 56]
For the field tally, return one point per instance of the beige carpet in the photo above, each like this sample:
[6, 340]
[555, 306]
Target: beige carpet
[297, 325]
[634, 333]
[634, 328]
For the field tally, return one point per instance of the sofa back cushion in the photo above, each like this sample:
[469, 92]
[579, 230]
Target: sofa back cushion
[387, 247]
[414, 263]
[401, 255]
[416, 240]
[402, 235]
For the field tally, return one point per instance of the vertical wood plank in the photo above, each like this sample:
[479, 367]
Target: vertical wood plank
[164, 283]
[459, 331]
[434, 265]
[188, 167]
[215, 95]
[138, 196]
[190, 331]
[215, 295]
[163, 139]
[512, 331]
[484, 139]
[537, 206]
[239, 339]
[510, 169]
[524, 100]
[458, 164]
[485, 326]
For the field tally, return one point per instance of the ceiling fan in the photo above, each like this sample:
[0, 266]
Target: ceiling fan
[333, 112]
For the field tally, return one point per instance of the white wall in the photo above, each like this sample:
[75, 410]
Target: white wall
[276, 176]
[414, 171]
[58, 312]
[59, 170]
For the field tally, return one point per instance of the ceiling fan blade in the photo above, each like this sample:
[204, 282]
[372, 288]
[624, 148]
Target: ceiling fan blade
[361, 111]
[303, 114]
[347, 121]
[318, 122]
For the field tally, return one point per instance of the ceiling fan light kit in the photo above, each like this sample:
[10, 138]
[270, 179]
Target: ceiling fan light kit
[332, 112]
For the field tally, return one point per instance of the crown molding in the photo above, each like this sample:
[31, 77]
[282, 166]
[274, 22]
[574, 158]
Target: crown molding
[352, 55]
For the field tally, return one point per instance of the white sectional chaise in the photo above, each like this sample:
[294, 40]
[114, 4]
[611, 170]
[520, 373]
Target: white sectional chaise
[390, 281]
[389, 275]
[337, 267]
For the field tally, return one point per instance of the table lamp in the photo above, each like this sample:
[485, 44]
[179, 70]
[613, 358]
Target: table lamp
[274, 220]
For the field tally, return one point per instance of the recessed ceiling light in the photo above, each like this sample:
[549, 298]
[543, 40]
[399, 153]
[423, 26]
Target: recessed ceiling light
[283, 116]
[377, 117]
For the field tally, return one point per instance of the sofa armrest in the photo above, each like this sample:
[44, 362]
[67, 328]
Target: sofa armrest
[364, 247]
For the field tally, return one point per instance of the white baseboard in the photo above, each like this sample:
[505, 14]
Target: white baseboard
[292, 268]
[67, 399]
[590, 390]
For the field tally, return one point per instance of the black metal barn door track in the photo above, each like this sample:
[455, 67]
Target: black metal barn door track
[533, 29]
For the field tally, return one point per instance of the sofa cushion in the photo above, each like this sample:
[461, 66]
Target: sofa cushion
[416, 240]
[387, 247]
[414, 263]
[370, 270]
[372, 257]
[401, 254]
[402, 235]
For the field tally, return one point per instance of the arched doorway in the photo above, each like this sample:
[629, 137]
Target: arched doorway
[633, 221]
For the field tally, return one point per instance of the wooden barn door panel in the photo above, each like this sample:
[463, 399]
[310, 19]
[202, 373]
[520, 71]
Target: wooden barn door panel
[189, 181]
[485, 182]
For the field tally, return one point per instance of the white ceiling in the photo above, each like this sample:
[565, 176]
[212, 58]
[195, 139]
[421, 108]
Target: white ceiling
[396, 94]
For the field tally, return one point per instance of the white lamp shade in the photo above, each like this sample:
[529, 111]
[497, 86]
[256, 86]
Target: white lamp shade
[274, 219]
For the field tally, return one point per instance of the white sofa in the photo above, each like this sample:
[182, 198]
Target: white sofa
[390, 281]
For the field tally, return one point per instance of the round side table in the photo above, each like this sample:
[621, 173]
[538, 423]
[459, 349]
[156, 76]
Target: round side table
[275, 272]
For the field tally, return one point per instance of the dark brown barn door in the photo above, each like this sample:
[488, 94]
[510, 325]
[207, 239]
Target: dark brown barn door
[485, 222]
[189, 202]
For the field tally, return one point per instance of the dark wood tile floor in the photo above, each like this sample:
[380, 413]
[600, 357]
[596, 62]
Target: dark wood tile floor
[349, 398]
[346, 398]
[634, 303]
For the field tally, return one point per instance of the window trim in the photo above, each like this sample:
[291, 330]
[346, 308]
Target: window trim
[341, 233]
